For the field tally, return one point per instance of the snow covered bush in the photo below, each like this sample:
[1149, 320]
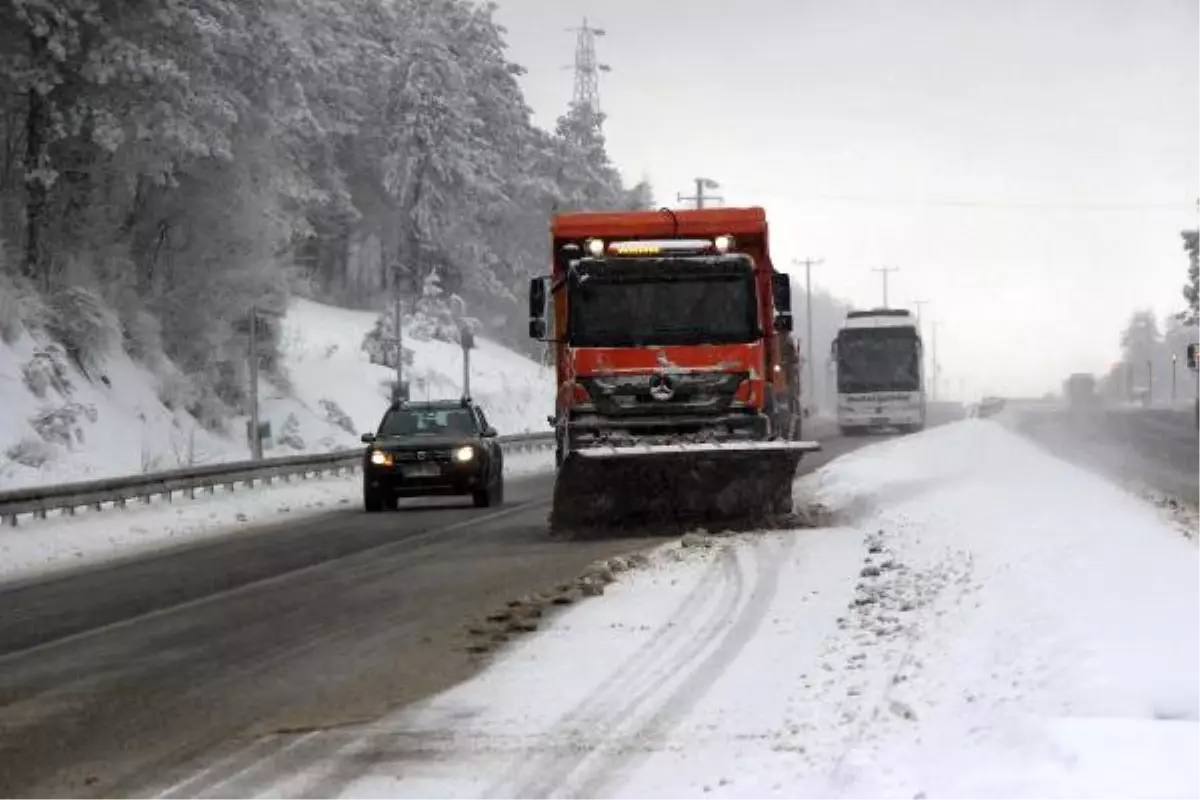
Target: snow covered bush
[437, 312]
[21, 308]
[61, 425]
[84, 325]
[335, 414]
[142, 335]
[30, 452]
[378, 343]
[47, 370]
[289, 434]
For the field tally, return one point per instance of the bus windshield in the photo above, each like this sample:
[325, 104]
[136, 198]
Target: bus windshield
[878, 360]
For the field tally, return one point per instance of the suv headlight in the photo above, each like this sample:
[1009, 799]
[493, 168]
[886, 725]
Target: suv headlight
[381, 458]
[463, 454]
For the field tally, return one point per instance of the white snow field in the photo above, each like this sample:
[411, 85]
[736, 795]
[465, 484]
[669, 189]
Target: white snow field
[122, 427]
[982, 620]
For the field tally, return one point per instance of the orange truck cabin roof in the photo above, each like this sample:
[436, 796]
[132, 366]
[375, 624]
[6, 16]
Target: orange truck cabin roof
[681, 224]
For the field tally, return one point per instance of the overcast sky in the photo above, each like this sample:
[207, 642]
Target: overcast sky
[1027, 164]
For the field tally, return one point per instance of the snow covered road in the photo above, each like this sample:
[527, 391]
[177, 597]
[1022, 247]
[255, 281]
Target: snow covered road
[978, 619]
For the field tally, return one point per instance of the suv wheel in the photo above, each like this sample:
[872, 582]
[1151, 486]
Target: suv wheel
[491, 496]
[372, 501]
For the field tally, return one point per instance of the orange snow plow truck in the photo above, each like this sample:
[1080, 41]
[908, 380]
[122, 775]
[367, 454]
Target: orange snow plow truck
[677, 378]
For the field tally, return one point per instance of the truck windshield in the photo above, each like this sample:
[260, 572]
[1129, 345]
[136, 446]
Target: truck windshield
[687, 310]
[878, 360]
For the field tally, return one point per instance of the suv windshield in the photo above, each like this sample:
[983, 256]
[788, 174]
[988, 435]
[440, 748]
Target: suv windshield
[692, 309]
[428, 422]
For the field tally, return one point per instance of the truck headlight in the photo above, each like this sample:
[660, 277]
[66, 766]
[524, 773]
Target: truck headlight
[464, 454]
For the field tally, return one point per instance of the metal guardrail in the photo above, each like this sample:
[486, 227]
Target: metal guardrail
[67, 497]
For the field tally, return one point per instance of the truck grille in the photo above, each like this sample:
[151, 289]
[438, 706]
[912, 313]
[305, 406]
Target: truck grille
[663, 393]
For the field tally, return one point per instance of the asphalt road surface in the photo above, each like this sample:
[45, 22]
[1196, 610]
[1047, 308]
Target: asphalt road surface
[120, 679]
[1157, 449]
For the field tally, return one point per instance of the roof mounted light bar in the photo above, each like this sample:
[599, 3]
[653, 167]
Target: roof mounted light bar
[652, 247]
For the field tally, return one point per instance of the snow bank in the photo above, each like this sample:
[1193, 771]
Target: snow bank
[984, 620]
[38, 548]
[116, 423]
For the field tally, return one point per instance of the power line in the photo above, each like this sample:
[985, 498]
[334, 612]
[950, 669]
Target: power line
[1033, 205]
[700, 196]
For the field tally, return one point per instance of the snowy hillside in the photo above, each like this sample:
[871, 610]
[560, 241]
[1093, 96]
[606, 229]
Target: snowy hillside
[56, 424]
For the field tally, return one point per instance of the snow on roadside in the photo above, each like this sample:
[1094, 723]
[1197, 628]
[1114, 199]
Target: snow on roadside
[983, 620]
[37, 548]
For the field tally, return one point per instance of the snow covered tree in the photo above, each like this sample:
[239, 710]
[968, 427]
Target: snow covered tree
[380, 343]
[436, 316]
[1140, 338]
[183, 162]
[1191, 289]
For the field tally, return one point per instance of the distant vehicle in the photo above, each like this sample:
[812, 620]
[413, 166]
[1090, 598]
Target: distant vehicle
[434, 448]
[990, 405]
[880, 372]
[1080, 390]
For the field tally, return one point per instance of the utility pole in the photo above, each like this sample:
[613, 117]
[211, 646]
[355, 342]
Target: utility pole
[810, 382]
[920, 331]
[466, 340]
[1149, 382]
[918, 304]
[397, 320]
[936, 369]
[255, 440]
[884, 271]
[1174, 371]
[700, 197]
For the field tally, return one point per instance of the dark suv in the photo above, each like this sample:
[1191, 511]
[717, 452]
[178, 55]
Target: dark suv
[433, 448]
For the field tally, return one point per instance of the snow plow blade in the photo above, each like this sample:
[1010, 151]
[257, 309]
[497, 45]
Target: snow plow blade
[664, 487]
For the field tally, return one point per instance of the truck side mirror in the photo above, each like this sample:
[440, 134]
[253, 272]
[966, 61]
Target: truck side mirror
[781, 288]
[784, 322]
[537, 308]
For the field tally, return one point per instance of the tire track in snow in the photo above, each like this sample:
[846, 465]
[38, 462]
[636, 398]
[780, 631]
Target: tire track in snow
[635, 681]
[696, 685]
[731, 624]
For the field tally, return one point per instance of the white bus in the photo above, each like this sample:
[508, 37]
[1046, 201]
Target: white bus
[880, 372]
